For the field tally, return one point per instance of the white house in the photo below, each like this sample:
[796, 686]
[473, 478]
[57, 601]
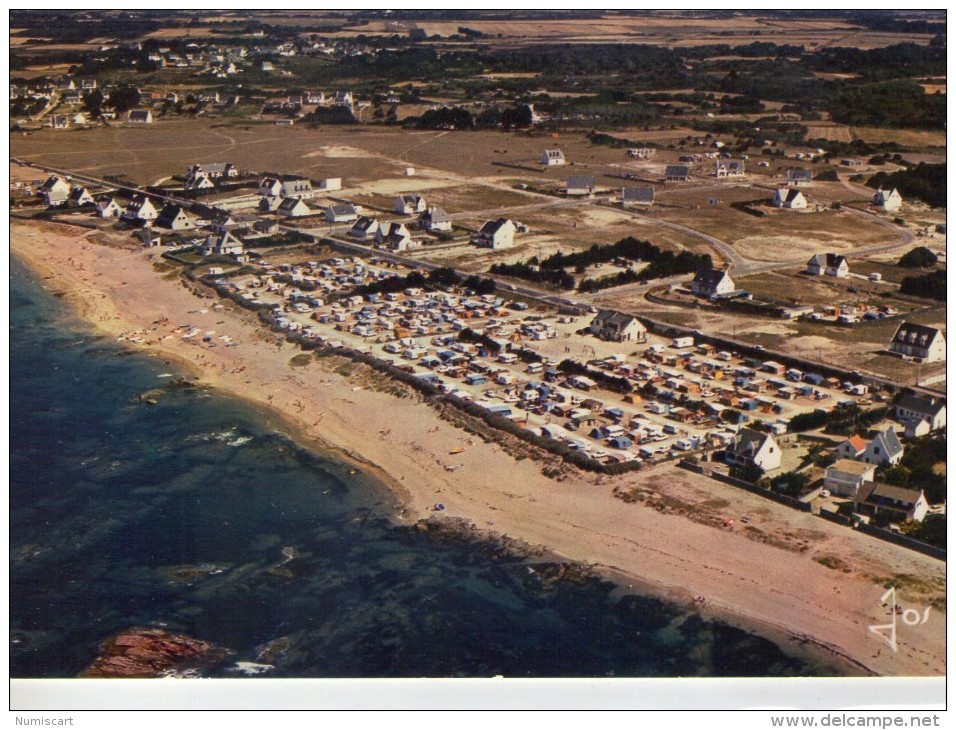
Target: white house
[79, 196]
[341, 213]
[198, 180]
[330, 183]
[365, 228]
[885, 448]
[174, 218]
[846, 477]
[270, 187]
[676, 173]
[495, 234]
[888, 200]
[435, 220]
[223, 244]
[407, 204]
[300, 188]
[293, 208]
[830, 264]
[213, 170]
[789, 198]
[395, 238]
[796, 178]
[898, 503]
[920, 341]
[617, 327]
[712, 283]
[729, 168]
[637, 196]
[753, 447]
[140, 116]
[551, 158]
[579, 185]
[55, 191]
[916, 409]
[140, 210]
[108, 208]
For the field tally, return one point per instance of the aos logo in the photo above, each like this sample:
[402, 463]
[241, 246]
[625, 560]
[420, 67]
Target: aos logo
[910, 617]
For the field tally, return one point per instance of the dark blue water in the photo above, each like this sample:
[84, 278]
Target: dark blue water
[124, 514]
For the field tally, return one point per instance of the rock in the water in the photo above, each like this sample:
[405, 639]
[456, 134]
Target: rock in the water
[142, 652]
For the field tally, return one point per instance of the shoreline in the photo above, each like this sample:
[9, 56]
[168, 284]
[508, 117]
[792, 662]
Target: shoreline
[100, 307]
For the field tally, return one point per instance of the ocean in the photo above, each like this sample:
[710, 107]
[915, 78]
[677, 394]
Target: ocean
[197, 515]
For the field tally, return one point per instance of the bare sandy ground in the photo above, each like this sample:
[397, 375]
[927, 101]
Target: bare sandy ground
[670, 540]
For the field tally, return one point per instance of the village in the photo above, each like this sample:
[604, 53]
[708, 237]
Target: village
[596, 382]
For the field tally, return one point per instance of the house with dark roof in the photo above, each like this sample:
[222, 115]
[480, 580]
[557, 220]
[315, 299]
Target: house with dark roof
[270, 187]
[292, 208]
[140, 116]
[798, 177]
[579, 185]
[729, 168]
[222, 244]
[408, 204]
[365, 229]
[751, 447]
[617, 327]
[79, 196]
[919, 341]
[911, 409]
[140, 210]
[884, 448]
[108, 208]
[830, 264]
[341, 213]
[495, 234]
[198, 180]
[637, 196]
[55, 191]
[887, 500]
[888, 200]
[174, 218]
[712, 283]
[676, 173]
[787, 197]
[213, 170]
[395, 238]
[435, 220]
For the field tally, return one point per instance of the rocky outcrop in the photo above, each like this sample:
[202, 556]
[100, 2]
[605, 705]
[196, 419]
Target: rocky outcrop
[145, 653]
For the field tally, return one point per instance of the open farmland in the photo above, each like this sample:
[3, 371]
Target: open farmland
[904, 137]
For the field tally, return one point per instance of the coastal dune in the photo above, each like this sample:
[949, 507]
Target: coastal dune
[801, 580]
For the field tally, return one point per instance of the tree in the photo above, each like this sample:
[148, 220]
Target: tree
[749, 473]
[93, 102]
[124, 98]
[918, 258]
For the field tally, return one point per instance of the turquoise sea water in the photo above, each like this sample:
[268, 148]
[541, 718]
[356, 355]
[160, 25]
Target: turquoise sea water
[185, 515]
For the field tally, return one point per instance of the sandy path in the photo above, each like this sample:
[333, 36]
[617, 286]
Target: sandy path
[408, 445]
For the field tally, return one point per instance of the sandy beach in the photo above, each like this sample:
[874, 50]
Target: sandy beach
[669, 538]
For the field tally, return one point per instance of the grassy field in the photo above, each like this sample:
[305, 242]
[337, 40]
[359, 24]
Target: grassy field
[905, 137]
[783, 235]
